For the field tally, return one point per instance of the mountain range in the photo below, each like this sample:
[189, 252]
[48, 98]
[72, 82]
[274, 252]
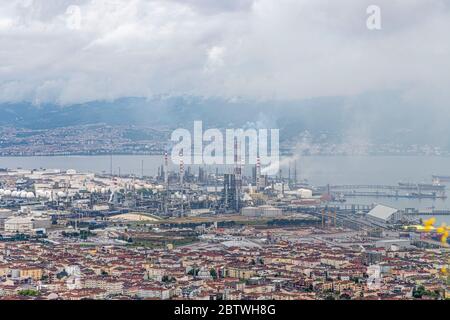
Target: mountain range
[378, 118]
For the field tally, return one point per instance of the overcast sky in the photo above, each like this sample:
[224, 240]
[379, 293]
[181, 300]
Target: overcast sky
[69, 51]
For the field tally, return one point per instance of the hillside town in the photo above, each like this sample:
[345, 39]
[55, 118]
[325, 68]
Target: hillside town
[183, 235]
[269, 266]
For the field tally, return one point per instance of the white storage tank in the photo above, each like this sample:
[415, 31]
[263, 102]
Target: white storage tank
[250, 212]
[268, 211]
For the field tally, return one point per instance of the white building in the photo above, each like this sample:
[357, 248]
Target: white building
[305, 193]
[19, 224]
[262, 211]
[4, 215]
[383, 214]
[74, 283]
[393, 244]
[26, 224]
[73, 270]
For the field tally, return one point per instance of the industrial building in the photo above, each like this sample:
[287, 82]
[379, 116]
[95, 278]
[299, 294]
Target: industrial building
[19, 224]
[240, 244]
[26, 224]
[231, 192]
[393, 243]
[4, 215]
[261, 211]
[384, 215]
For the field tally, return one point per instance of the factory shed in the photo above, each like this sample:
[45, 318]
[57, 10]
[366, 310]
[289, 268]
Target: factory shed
[384, 214]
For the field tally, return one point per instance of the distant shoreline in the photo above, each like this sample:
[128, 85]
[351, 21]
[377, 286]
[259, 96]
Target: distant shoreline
[162, 153]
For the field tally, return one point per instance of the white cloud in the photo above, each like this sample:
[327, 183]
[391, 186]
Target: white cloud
[285, 49]
[215, 59]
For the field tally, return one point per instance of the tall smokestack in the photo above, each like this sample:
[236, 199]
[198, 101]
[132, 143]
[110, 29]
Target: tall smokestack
[289, 174]
[166, 169]
[181, 167]
[237, 171]
[295, 171]
[258, 173]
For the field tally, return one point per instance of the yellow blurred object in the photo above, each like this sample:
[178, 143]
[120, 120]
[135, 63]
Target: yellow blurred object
[442, 229]
[418, 228]
[429, 224]
[444, 238]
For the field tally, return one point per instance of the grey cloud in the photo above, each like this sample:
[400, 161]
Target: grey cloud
[213, 6]
[261, 49]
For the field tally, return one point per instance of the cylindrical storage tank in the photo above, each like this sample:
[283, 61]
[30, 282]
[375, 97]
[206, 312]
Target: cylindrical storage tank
[250, 211]
[7, 193]
[14, 194]
[23, 194]
[30, 195]
[268, 211]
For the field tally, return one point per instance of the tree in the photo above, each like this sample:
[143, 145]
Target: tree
[419, 292]
[213, 273]
[193, 272]
[167, 279]
[62, 274]
[28, 293]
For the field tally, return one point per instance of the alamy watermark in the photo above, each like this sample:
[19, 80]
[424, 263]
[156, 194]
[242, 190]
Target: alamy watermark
[236, 146]
[374, 279]
[373, 21]
[73, 17]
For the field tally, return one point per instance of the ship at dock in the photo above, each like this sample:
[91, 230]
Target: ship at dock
[438, 179]
[405, 190]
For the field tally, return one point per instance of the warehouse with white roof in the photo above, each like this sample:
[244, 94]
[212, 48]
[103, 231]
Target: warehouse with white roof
[384, 214]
